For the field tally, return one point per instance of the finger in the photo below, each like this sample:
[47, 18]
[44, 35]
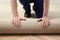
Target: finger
[49, 22]
[17, 23]
[43, 23]
[46, 23]
[12, 21]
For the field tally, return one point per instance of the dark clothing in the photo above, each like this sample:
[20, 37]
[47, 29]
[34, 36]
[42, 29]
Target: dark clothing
[38, 4]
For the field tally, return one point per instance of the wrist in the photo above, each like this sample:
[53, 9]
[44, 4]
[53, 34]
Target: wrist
[45, 16]
[15, 16]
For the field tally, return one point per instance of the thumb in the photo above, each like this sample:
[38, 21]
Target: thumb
[49, 22]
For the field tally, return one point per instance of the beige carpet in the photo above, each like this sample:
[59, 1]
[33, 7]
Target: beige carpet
[30, 37]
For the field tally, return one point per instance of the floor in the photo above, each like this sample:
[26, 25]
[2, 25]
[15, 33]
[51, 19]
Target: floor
[30, 37]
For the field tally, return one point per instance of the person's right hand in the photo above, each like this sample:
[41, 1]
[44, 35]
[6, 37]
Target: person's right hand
[17, 21]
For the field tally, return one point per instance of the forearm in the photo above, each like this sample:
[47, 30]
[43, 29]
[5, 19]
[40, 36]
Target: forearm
[14, 8]
[46, 8]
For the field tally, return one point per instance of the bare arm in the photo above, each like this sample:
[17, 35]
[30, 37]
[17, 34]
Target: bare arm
[16, 20]
[46, 8]
[14, 8]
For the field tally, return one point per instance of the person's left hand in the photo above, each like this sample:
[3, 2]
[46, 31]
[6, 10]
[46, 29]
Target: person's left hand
[46, 21]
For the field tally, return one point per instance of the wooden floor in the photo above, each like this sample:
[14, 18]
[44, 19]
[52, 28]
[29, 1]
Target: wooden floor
[30, 37]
